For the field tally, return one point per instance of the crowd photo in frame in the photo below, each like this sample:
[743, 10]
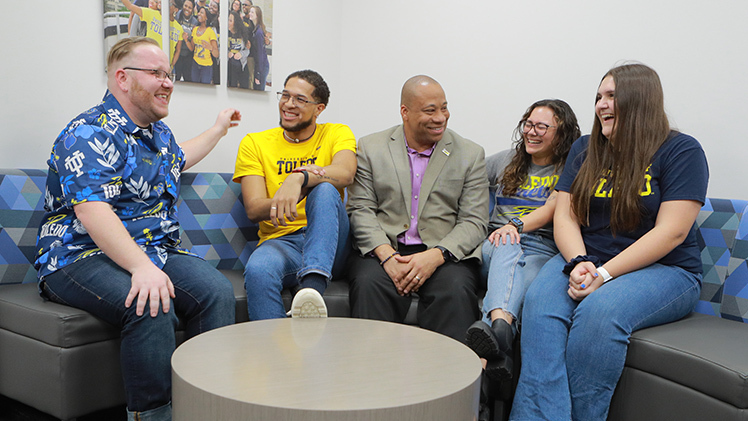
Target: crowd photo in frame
[194, 33]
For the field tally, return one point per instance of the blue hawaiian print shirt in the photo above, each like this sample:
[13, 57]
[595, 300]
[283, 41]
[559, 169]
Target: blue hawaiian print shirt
[103, 156]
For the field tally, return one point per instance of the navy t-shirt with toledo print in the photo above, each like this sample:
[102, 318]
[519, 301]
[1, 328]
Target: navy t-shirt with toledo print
[678, 171]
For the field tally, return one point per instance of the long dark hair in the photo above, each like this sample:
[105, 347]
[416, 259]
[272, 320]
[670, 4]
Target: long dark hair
[567, 131]
[641, 127]
[239, 30]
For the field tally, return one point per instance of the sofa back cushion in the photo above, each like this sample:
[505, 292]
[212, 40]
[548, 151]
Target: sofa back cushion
[718, 225]
[214, 223]
[21, 212]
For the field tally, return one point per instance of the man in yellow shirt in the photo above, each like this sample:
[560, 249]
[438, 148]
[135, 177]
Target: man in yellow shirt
[292, 180]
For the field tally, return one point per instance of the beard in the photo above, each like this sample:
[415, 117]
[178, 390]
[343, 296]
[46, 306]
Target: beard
[143, 100]
[298, 127]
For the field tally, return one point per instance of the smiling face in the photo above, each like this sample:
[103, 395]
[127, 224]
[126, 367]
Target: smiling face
[298, 120]
[146, 99]
[425, 116]
[540, 147]
[187, 8]
[605, 106]
[202, 16]
[253, 15]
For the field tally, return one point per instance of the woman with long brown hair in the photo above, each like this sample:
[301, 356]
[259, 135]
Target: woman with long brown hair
[522, 183]
[624, 224]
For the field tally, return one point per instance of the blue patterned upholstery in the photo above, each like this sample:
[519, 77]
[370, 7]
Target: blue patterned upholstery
[215, 226]
[21, 211]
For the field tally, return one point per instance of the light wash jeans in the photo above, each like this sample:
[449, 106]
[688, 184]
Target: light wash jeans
[204, 298]
[509, 270]
[573, 352]
[320, 247]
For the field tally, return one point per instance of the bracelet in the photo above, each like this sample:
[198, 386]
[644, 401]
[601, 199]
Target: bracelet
[604, 272]
[306, 177]
[388, 258]
[579, 259]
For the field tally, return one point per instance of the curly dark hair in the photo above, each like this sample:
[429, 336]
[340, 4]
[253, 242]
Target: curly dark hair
[567, 131]
[321, 92]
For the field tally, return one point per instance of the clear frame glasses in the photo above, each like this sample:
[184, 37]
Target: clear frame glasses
[540, 128]
[298, 100]
[160, 75]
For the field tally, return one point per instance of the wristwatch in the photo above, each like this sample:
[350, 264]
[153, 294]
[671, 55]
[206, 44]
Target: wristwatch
[445, 254]
[517, 224]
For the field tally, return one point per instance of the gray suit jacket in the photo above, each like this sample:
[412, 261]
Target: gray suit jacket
[453, 207]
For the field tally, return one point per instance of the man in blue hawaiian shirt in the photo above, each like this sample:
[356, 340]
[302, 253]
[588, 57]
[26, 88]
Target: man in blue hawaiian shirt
[109, 241]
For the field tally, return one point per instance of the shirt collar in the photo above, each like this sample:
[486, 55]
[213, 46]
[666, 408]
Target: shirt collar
[118, 115]
[412, 151]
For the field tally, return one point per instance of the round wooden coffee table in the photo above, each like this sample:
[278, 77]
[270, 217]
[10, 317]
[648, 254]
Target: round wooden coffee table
[324, 369]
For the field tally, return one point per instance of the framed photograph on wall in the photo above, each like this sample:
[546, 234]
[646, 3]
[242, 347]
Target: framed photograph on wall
[250, 44]
[193, 33]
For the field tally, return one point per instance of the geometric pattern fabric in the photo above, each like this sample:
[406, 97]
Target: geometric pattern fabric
[210, 211]
[215, 227]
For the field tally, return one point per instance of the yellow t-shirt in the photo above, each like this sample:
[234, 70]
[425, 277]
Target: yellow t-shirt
[202, 55]
[175, 35]
[153, 20]
[269, 155]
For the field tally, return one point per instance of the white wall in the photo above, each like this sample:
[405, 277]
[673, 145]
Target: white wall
[494, 58]
[48, 78]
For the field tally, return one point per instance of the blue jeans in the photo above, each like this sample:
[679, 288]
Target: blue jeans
[202, 74]
[573, 352]
[321, 247]
[510, 268]
[204, 299]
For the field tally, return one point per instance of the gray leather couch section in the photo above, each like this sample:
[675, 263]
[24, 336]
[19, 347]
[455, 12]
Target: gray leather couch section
[65, 362]
[693, 369]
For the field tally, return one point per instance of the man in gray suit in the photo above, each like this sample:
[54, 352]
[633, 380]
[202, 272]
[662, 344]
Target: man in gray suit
[418, 209]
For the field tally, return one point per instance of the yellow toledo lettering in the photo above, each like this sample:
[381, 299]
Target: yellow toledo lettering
[647, 190]
[600, 192]
[148, 235]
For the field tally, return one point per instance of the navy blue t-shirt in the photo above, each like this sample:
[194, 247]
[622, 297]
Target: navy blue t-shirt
[678, 171]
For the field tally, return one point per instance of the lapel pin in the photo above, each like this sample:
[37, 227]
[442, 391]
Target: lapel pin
[445, 152]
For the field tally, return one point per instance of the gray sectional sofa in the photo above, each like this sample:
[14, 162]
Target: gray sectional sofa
[64, 361]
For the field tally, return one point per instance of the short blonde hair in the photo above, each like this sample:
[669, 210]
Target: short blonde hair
[124, 47]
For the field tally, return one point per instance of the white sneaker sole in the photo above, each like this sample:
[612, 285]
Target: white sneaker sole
[308, 304]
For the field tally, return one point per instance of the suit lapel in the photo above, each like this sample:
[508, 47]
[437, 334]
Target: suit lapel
[436, 163]
[402, 164]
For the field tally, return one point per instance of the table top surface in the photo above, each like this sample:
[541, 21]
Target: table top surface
[326, 364]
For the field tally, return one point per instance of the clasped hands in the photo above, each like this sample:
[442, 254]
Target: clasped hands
[409, 272]
[583, 281]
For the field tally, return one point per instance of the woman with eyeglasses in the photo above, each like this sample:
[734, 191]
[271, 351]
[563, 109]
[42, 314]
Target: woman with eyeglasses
[624, 223]
[257, 50]
[238, 46]
[204, 44]
[521, 236]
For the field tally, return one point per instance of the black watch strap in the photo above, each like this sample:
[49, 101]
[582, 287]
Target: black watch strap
[448, 257]
[517, 224]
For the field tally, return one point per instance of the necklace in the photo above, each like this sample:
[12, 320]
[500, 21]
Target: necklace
[290, 139]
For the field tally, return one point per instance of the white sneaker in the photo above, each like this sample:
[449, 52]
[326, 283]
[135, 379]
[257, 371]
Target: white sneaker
[308, 304]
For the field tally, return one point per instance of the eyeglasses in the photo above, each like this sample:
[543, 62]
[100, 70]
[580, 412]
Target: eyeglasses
[160, 75]
[298, 100]
[540, 128]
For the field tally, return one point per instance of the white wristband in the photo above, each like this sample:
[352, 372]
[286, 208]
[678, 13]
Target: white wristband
[606, 276]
